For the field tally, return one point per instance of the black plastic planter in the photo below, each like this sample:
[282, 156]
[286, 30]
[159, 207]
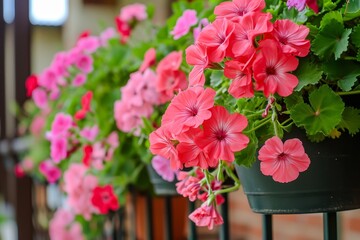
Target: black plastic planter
[332, 182]
[161, 187]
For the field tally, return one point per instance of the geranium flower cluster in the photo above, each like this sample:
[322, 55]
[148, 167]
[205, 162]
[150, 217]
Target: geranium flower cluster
[147, 89]
[128, 17]
[258, 56]
[84, 194]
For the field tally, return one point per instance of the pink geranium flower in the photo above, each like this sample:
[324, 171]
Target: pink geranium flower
[162, 167]
[216, 37]
[271, 70]
[62, 226]
[84, 63]
[292, 37]
[79, 80]
[149, 59]
[196, 55]
[250, 26]
[238, 8]
[58, 149]
[190, 154]
[223, 134]
[106, 35]
[88, 44]
[50, 171]
[169, 76]
[161, 143]
[61, 124]
[190, 108]
[136, 11]
[206, 215]
[40, 98]
[79, 187]
[184, 23]
[89, 133]
[241, 75]
[283, 161]
[48, 78]
[203, 23]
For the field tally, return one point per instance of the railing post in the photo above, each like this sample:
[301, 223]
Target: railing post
[167, 218]
[192, 235]
[149, 217]
[224, 230]
[330, 226]
[267, 227]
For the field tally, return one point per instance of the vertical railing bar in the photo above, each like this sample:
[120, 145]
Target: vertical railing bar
[122, 230]
[133, 215]
[224, 230]
[22, 40]
[149, 217]
[267, 227]
[330, 226]
[2, 73]
[167, 218]
[192, 235]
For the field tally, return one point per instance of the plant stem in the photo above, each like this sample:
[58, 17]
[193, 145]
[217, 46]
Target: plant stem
[263, 122]
[236, 186]
[348, 93]
[286, 121]
[227, 190]
[273, 119]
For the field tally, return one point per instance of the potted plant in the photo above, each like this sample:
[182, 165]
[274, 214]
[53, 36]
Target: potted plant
[263, 71]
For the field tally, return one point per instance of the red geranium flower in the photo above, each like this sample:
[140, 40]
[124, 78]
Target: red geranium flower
[104, 199]
[31, 84]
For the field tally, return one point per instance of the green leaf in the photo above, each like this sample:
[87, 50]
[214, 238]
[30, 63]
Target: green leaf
[323, 113]
[307, 73]
[350, 120]
[328, 5]
[327, 18]
[316, 138]
[331, 40]
[355, 36]
[216, 78]
[295, 15]
[344, 72]
[247, 156]
[352, 10]
[293, 99]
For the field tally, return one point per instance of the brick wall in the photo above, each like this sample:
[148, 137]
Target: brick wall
[246, 225]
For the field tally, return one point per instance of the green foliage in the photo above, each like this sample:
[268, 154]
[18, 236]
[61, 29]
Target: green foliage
[342, 72]
[332, 40]
[352, 10]
[247, 156]
[308, 73]
[350, 120]
[355, 36]
[323, 113]
[216, 78]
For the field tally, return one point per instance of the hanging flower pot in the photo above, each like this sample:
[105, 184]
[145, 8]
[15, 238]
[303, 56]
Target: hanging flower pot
[161, 186]
[331, 183]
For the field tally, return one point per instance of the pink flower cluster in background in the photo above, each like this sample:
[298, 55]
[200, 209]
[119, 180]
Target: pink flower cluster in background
[79, 187]
[128, 17]
[47, 85]
[184, 23]
[63, 226]
[146, 89]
